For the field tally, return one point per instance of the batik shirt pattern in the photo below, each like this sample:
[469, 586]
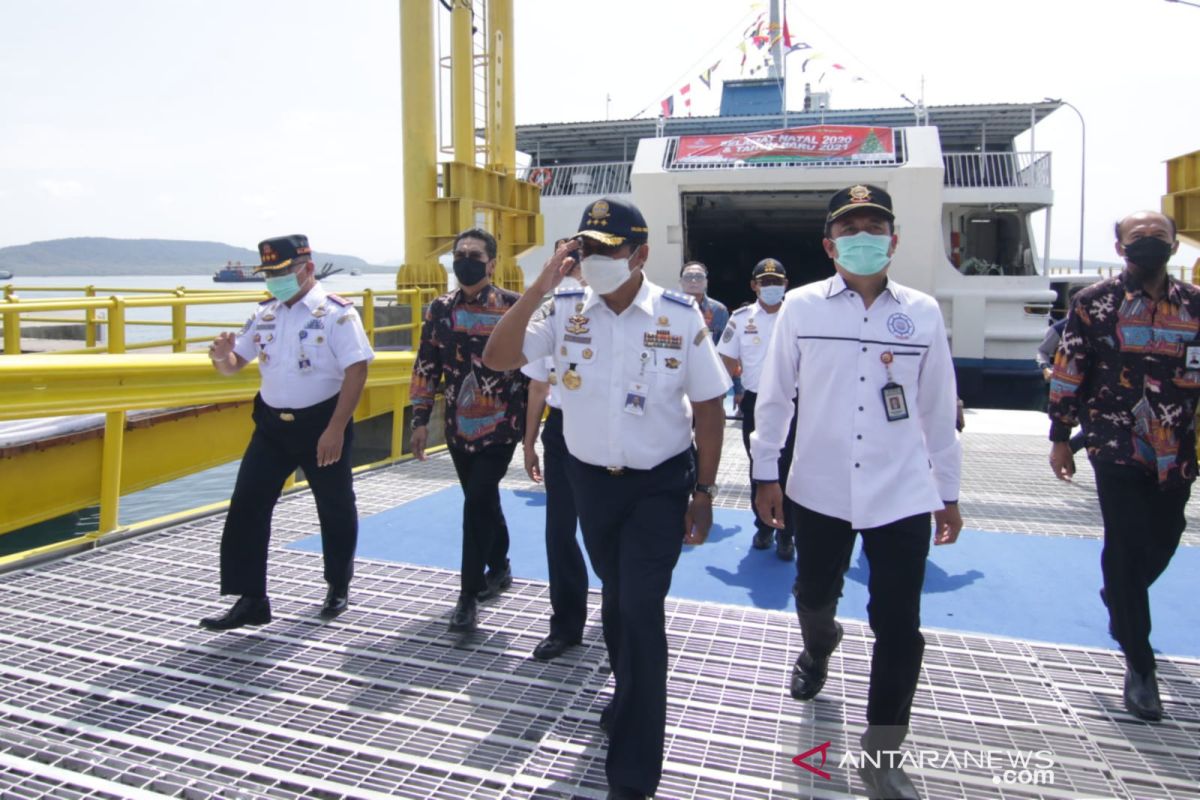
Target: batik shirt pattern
[1128, 370]
[483, 407]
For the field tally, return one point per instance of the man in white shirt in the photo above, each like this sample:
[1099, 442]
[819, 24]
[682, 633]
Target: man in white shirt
[313, 355]
[636, 365]
[876, 452]
[743, 348]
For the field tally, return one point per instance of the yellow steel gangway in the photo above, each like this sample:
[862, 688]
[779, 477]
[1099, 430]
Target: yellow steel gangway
[191, 418]
[206, 423]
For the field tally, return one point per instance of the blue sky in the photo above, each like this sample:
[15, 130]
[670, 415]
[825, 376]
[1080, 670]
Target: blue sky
[232, 120]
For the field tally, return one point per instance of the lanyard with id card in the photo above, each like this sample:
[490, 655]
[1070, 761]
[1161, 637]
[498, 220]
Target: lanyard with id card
[894, 404]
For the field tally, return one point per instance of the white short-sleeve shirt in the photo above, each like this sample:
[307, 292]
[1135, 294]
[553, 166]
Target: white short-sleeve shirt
[544, 371]
[303, 351]
[626, 380]
[745, 340]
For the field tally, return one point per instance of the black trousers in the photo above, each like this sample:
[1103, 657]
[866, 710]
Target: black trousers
[568, 572]
[485, 531]
[633, 530]
[1142, 528]
[749, 402]
[896, 554]
[276, 449]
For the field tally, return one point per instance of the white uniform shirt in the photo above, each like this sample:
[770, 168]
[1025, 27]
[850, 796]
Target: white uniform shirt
[545, 372]
[746, 338]
[658, 349]
[303, 351]
[849, 461]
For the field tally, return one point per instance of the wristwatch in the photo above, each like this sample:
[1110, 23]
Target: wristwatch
[709, 489]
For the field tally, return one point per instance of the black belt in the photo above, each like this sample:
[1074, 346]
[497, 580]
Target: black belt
[293, 414]
[619, 471]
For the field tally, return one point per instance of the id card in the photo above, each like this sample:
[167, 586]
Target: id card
[894, 404]
[1192, 359]
[635, 399]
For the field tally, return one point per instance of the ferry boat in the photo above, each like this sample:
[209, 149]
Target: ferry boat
[755, 181]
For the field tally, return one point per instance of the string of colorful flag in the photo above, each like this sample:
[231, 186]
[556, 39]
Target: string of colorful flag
[754, 49]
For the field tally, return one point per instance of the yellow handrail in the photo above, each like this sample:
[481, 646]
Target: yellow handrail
[33, 386]
[15, 309]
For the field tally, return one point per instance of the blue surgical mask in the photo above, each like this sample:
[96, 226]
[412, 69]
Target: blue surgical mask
[863, 253]
[284, 287]
[771, 295]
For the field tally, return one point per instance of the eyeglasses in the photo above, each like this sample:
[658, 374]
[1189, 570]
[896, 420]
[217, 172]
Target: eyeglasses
[475, 255]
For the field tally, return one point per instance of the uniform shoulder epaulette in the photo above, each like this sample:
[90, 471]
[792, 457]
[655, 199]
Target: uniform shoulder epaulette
[341, 301]
[568, 292]
[268, 300]
[679, 297]
[741, 309]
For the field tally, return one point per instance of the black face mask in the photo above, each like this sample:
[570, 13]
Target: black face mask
[1148, 254]
[468, 271]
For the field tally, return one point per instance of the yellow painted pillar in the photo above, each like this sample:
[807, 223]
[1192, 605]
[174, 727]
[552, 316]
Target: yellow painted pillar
[89, 317]
[12, 328]
[462, 82]
[179, 325]
[368, 316]
[116, 324]
[502, 136]
[110, 470]
[418, 105]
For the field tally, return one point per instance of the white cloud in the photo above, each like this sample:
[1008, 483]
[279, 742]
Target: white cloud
[63, 189]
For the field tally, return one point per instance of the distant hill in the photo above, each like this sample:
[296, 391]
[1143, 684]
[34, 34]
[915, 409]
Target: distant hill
[99, 256]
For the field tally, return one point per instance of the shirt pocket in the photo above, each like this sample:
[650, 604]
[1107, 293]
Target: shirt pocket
[906, 366]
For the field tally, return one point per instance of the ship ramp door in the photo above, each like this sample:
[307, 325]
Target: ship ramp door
[732, 231]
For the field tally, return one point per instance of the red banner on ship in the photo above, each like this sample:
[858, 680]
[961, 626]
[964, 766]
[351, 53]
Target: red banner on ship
[812, 143]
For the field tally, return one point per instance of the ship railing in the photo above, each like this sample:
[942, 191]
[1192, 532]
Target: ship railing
[1183, 273]
[562, 180]
[108, 318]
[40, 385]
[996, 170]
[899, 157]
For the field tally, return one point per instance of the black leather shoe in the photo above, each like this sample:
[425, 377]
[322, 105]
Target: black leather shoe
[606, 719]
[763, 538]
[623, 793]
[246, 611]
[887, 783]
[466, 615]
[1141, 695]
[552, 647]
[785, 548]
[809, 674]
[336, 601]
[497, 582]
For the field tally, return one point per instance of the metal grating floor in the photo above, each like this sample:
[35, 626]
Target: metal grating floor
[109, 690]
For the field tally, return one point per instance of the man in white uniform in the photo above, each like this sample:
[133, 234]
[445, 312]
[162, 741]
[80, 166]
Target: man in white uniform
[876, 451]
[313, 355]
[743, 348]
[636, 365]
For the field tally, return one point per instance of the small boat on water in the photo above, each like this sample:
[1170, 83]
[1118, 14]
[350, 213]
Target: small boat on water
[5, 274]
[235, 273]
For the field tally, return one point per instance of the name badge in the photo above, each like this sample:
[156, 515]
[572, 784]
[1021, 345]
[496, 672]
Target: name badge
[894, 404]
[1192, 360]
[635, 399]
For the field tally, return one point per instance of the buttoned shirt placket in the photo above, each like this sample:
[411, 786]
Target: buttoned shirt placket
[618, 338]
